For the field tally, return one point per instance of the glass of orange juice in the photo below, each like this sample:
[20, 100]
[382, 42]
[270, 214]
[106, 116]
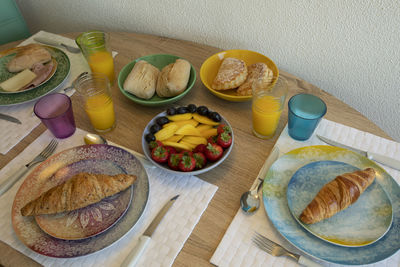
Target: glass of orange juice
[94, 90]
[95, 46]
[267, 104]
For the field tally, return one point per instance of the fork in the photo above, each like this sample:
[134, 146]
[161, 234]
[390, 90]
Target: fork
[275, 249]
[49, 149]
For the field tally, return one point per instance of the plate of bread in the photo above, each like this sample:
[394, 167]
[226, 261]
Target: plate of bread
[230, 74]
[30, 72]
[291, 223]
[330, 199]
[156, 80]
[29, 67]
[80, 201]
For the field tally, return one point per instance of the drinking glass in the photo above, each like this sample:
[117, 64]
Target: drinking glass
[95, 46]
[55, 111]
[94, 90]
[305, 112]
[267, 105]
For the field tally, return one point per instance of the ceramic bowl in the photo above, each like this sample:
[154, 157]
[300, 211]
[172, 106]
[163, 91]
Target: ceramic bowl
[208, 167]
[210, 66]
[159, 61]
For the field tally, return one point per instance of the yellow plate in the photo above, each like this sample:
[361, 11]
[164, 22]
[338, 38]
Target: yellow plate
[210, 67]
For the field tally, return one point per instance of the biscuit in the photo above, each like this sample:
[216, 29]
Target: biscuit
[231, 74]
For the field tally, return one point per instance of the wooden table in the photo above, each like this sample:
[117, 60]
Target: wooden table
[235, 175]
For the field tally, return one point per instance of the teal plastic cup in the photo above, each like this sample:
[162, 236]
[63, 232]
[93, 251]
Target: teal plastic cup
[305, 113]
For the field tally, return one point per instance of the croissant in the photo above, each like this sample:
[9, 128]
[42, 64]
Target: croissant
[337, 195]
[81, 190]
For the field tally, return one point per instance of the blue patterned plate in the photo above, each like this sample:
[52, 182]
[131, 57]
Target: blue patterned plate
[361, 224]
[276, 206]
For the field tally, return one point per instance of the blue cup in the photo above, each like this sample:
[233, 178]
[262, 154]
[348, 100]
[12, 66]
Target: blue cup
[305, 112]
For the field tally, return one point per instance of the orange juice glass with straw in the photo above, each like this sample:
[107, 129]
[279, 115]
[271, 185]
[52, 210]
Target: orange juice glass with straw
[95, 46]
[267, 105]
[94, 90]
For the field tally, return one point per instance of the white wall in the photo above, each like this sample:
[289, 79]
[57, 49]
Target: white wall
[347, 48]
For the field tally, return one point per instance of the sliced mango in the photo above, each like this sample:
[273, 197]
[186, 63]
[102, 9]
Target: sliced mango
[188, 129]
[180, 117]
[181, 123]
[166, 132]
[195, 140]
[204, 119]
[177, 145]
[203, 127]
[209, 132]
[187, 144]
[174, 138]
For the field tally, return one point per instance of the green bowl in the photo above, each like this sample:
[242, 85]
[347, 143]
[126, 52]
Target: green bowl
[159, 61]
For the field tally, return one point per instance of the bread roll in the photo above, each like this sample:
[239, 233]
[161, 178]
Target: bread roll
[27, 56]
[173, 78]
[337, 195]
[142, 80]
[81, 190]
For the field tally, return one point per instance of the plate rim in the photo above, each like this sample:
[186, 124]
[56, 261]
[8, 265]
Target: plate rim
[320, 237]
[323, 257]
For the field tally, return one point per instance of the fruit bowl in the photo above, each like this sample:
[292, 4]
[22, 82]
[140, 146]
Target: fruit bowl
[159, 61]
[210, 66]
[180, 150]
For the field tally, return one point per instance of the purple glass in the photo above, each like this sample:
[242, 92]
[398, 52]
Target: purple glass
[55, 111]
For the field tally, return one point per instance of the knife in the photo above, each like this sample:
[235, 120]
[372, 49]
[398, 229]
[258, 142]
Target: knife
[390, 162]
[9, 118]
[137, 251]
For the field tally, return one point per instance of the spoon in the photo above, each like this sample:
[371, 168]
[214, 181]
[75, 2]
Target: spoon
[250, 201]
[91, 139]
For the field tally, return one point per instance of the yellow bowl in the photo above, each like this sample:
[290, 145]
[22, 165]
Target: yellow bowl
[210, 66]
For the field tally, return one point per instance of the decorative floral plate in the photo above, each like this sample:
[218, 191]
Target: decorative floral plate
[362, 223]
[61, 74]
[276, 206]
[93, 219]
[42, 178]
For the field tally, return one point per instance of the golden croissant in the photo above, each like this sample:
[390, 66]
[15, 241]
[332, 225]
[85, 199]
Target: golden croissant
[337, 195]
[81, 190]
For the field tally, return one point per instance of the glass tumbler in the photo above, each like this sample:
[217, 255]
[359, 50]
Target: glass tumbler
[55, 111]
[95, 46]
[94, 90]
[305, 112]
[267, 105]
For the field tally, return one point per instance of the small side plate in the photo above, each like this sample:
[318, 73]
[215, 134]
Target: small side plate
[361, 224]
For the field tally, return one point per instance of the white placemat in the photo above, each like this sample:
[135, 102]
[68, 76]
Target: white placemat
[236, 247]
[12, 133]
[167, 240]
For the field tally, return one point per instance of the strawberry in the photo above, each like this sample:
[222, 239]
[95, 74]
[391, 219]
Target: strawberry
[224, 139]
[187, 163]
[186, 153]
[223, 128]
[200, 148]
[173, 161]
[154, 144]
[159, 154]
[213, 152]
[212, 139]
[201, 160]
[171, 150]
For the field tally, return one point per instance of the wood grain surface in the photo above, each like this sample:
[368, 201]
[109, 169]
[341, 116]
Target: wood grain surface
[234, 176]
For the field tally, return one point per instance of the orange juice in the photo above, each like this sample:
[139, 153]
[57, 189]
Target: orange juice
[102, 62]
[100, 109]
[266, 111]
